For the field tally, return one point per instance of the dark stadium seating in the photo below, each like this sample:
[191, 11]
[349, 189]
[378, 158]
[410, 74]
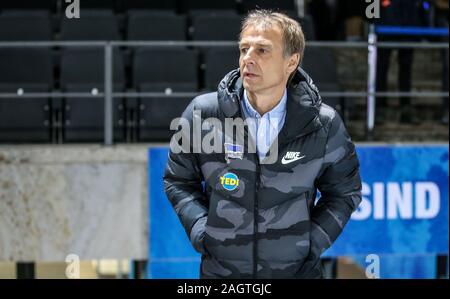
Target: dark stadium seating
[153, 4]
[49, 5]
[156, 114]
[211, 27]
[189, 5]
[162, 70]
[25, 119]
[17, 26]
[102, 4]
[282, 5]
[189, 69]
[161, 67]
[320, 64]
[82, 70]
[151, 25]
[218, 62]
[94, 25]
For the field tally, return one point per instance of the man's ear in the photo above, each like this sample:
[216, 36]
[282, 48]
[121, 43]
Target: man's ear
[293, 62]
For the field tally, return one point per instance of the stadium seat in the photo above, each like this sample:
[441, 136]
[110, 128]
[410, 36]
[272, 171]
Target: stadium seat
[82, 70]
[162, 70]
[153, 4]
[189, 5]
[94, 25]
[25, 119]
[19, 27]
[320, 64]
[101, 4]
[218, 62]
[156, 114]
[268, 4]
[210, 27]
[156, 26]
[222, 12]
[25, 5]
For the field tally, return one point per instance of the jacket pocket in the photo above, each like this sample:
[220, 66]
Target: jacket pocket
[285, 233]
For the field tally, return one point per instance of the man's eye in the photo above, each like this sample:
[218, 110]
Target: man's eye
[243, 50]
[262, 50]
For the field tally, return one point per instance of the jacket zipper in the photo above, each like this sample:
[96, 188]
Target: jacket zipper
[255, 209]
[255, 221]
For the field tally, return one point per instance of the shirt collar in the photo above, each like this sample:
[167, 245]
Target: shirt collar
[276, 112]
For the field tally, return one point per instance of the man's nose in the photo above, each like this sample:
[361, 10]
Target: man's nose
[248, 57]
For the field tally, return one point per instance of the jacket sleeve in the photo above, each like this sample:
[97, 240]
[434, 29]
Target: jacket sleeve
[183, 182]
[339, 183]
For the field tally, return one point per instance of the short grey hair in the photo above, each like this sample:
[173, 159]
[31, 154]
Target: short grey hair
[293, 37]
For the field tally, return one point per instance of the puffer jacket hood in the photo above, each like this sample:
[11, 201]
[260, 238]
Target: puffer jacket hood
[303, 107]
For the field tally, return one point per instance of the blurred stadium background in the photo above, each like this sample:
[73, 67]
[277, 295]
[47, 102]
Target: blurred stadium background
[86, 103]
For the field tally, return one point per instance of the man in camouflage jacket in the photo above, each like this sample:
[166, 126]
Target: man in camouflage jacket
[250, 218]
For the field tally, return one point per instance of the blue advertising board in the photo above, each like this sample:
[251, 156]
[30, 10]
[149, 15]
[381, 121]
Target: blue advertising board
[403, 214]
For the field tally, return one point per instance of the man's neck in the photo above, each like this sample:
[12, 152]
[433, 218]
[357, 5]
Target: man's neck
[264, 102]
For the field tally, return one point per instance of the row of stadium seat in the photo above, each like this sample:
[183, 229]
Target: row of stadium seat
[82, 70]
[178, 6]
[160, 66]
[139, 25]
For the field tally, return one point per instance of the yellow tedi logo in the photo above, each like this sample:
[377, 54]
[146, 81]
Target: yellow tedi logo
[229, 181]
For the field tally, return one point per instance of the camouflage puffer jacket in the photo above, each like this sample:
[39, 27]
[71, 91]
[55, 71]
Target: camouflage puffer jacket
[259, 220]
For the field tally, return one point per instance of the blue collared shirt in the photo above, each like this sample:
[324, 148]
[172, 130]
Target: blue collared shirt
[264, 129]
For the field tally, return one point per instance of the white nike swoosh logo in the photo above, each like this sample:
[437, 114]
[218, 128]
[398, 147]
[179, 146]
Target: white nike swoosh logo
[284, 161]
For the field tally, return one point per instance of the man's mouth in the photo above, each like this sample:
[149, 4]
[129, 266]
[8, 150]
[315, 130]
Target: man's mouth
[250, 75]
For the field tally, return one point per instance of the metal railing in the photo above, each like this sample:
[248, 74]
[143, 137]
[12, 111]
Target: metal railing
[109, 94]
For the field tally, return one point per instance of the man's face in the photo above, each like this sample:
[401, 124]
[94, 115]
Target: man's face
[262, 63]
